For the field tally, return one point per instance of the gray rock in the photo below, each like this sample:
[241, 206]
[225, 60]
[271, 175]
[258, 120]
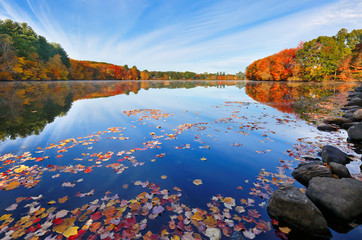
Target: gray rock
[358, 114]
[337, 120]
[346, 126]
[306, 171]
[355, 101]
[340, 170]
[355, 132]
[327, 128]
[350, 108]
[290, 206]
[340, 197]
[358, 89]
[349, 115]
[333, 154]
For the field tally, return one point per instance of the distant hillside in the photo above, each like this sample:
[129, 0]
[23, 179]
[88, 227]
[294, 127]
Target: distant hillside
[24, 55]
[325, 58]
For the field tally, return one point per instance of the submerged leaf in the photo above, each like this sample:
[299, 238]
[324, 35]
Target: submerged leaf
[197, 182]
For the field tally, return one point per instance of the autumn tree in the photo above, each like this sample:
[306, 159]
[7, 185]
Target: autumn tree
[144, 75]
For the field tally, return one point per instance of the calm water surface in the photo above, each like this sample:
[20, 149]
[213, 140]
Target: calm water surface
[130, 159]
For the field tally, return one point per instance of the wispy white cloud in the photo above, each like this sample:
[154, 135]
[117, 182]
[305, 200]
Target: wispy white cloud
[220, 36]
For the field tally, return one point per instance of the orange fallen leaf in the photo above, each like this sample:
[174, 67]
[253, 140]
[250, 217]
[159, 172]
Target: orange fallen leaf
[63, 199]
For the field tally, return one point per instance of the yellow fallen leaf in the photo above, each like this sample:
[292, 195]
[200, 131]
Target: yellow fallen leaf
[197, 181]
[163, 176]
[5, 217]
[175, 237]
[52, 202]
[70, 231]
[164, 233]
[20, 169]
[203, 159]
[285, 230]
[197, 217]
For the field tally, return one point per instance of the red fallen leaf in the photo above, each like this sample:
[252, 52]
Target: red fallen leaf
[240, 226]
[263, 225]
[248, 219]
[59, 156]
[33, 228]
[57, 221]
[95, 216]
[39, 159]
[281, 235]
[181, 226]
[78, 236]
[128, 234]
[88, 170]
[171, 224]
[254, 213]
[226, 231]
[36, 220]
[91, 237]
[129, 222]
[274, 222]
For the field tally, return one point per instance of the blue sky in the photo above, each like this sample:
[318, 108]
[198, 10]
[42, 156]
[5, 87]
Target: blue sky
[180, 35]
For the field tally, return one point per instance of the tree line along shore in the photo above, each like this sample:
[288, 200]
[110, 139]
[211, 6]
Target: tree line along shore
[24, 55]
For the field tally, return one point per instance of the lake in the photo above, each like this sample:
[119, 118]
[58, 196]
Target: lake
[176, 159]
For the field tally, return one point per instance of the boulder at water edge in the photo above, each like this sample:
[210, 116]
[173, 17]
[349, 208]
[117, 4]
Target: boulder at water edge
[340, 170]
[333, 154]
[355, 132]
[358, 114]
[327, 128]
[290, 206]
[337, 120]
[340, 197]
[306, 171]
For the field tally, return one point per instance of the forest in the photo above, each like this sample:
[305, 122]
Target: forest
[24, 55]
[325, 58]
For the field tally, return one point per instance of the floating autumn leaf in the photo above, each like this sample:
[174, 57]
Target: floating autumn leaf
[63, 199]
[285, 230]
[71, 231]
[210, 222]
[197, 182]
[163, 176]
[12, 207]
[240, 209]
[203, 159]
[197, 216]
[274, 222]
[254, 213]
[213, 233]
[12, 185]
[5, 217]
[61, 213]
[249, 234]
[229, 202]
[95, 216]
[66, 223]
[20, 169]
[157, 210]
